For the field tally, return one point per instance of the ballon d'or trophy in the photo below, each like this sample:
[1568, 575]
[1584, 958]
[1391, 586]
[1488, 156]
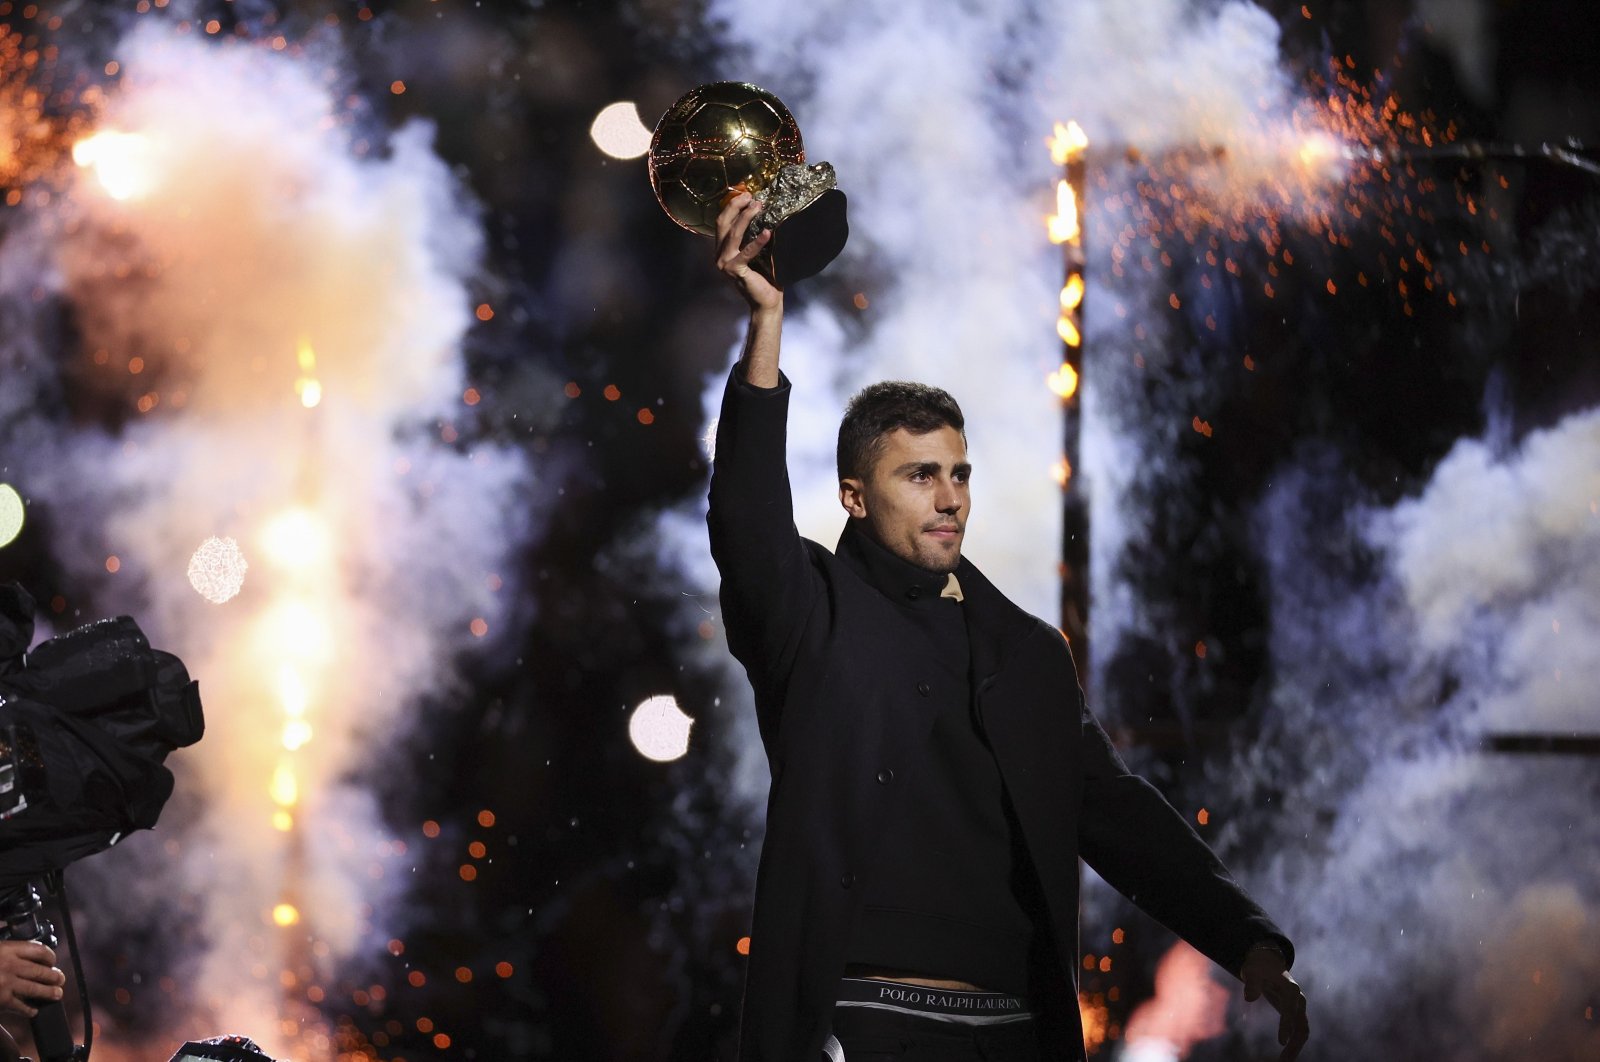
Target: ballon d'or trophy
[731, 137]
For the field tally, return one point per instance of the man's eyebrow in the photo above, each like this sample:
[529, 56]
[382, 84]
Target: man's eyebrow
[930, 467]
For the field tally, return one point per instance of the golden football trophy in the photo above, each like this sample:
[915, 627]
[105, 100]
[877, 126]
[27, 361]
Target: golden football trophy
[731, 137]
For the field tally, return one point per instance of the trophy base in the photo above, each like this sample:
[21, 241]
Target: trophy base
[804, 244]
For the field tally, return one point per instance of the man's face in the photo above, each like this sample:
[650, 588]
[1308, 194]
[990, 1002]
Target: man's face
[915, 501]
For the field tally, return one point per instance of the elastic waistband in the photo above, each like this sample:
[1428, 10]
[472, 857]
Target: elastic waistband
[940, 1004]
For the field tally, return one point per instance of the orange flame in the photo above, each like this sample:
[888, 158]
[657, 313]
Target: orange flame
[1067, 329]
[1068, 143]
[1188, 1006]
[1063, 223]
[1064, 381]
[1072, 294]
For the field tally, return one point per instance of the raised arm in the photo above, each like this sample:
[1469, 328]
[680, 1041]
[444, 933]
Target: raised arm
[759, 363]
[769, 581]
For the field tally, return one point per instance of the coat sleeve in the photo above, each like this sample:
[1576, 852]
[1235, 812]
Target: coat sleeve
[1144, 849]
[770, 583]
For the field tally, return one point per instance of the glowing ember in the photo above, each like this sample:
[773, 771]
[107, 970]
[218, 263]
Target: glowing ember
[123, 163]
[217, 569]
[659, 729]
[11, 514]
[41, 108]
[285, 914]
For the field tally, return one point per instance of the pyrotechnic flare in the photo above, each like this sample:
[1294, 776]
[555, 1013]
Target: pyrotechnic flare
[280, 315]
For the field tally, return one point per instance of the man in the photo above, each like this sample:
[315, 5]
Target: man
[935, 773]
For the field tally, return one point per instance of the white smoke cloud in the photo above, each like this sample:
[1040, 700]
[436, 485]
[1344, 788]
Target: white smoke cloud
[1409, 861]
[254, 246]
[1498, 562]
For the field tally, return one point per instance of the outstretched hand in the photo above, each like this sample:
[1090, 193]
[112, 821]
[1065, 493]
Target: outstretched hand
[734, 255]
[1265, 974]
[28, 975]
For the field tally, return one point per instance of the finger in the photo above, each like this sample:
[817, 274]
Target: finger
[730, 210]
[754, 247]
[35, 952]
[741, 224]
[1252, 990]
[44, 975]
[734, 220]
[729, 231]
[1301, 1033]
[37, 986]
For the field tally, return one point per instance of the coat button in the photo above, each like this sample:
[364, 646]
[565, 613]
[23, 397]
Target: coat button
[885, 776]
[924, 689]
[847, 881]
[914, 593]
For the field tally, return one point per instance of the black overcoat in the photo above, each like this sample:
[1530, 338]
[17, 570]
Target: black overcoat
[846, 691]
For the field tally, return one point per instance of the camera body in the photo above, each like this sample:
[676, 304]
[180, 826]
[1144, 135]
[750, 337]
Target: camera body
[86, 720]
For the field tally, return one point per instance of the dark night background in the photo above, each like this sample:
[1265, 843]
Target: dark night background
[618, 889]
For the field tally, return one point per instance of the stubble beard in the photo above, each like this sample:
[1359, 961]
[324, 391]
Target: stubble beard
[936, 560]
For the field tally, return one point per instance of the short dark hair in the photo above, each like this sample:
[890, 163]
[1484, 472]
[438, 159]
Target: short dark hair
[879, 409]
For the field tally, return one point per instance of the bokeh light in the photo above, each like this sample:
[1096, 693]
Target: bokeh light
[659, 729]
[12, 514]
[619, 131]
[217, 569]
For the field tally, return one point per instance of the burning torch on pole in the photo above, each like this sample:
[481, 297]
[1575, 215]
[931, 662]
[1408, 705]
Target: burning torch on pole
[1067, 148]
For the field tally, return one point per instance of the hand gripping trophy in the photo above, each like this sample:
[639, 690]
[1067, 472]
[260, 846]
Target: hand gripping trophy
[731, 137]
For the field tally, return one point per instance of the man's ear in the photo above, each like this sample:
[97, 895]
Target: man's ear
[852, 495]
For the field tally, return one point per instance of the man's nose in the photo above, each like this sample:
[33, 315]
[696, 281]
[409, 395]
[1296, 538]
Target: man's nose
[947, 499]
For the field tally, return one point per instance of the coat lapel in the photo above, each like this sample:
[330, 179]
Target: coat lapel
[995, 626]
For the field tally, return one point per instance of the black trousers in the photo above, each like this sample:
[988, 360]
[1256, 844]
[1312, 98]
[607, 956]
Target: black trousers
[867, 1034]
